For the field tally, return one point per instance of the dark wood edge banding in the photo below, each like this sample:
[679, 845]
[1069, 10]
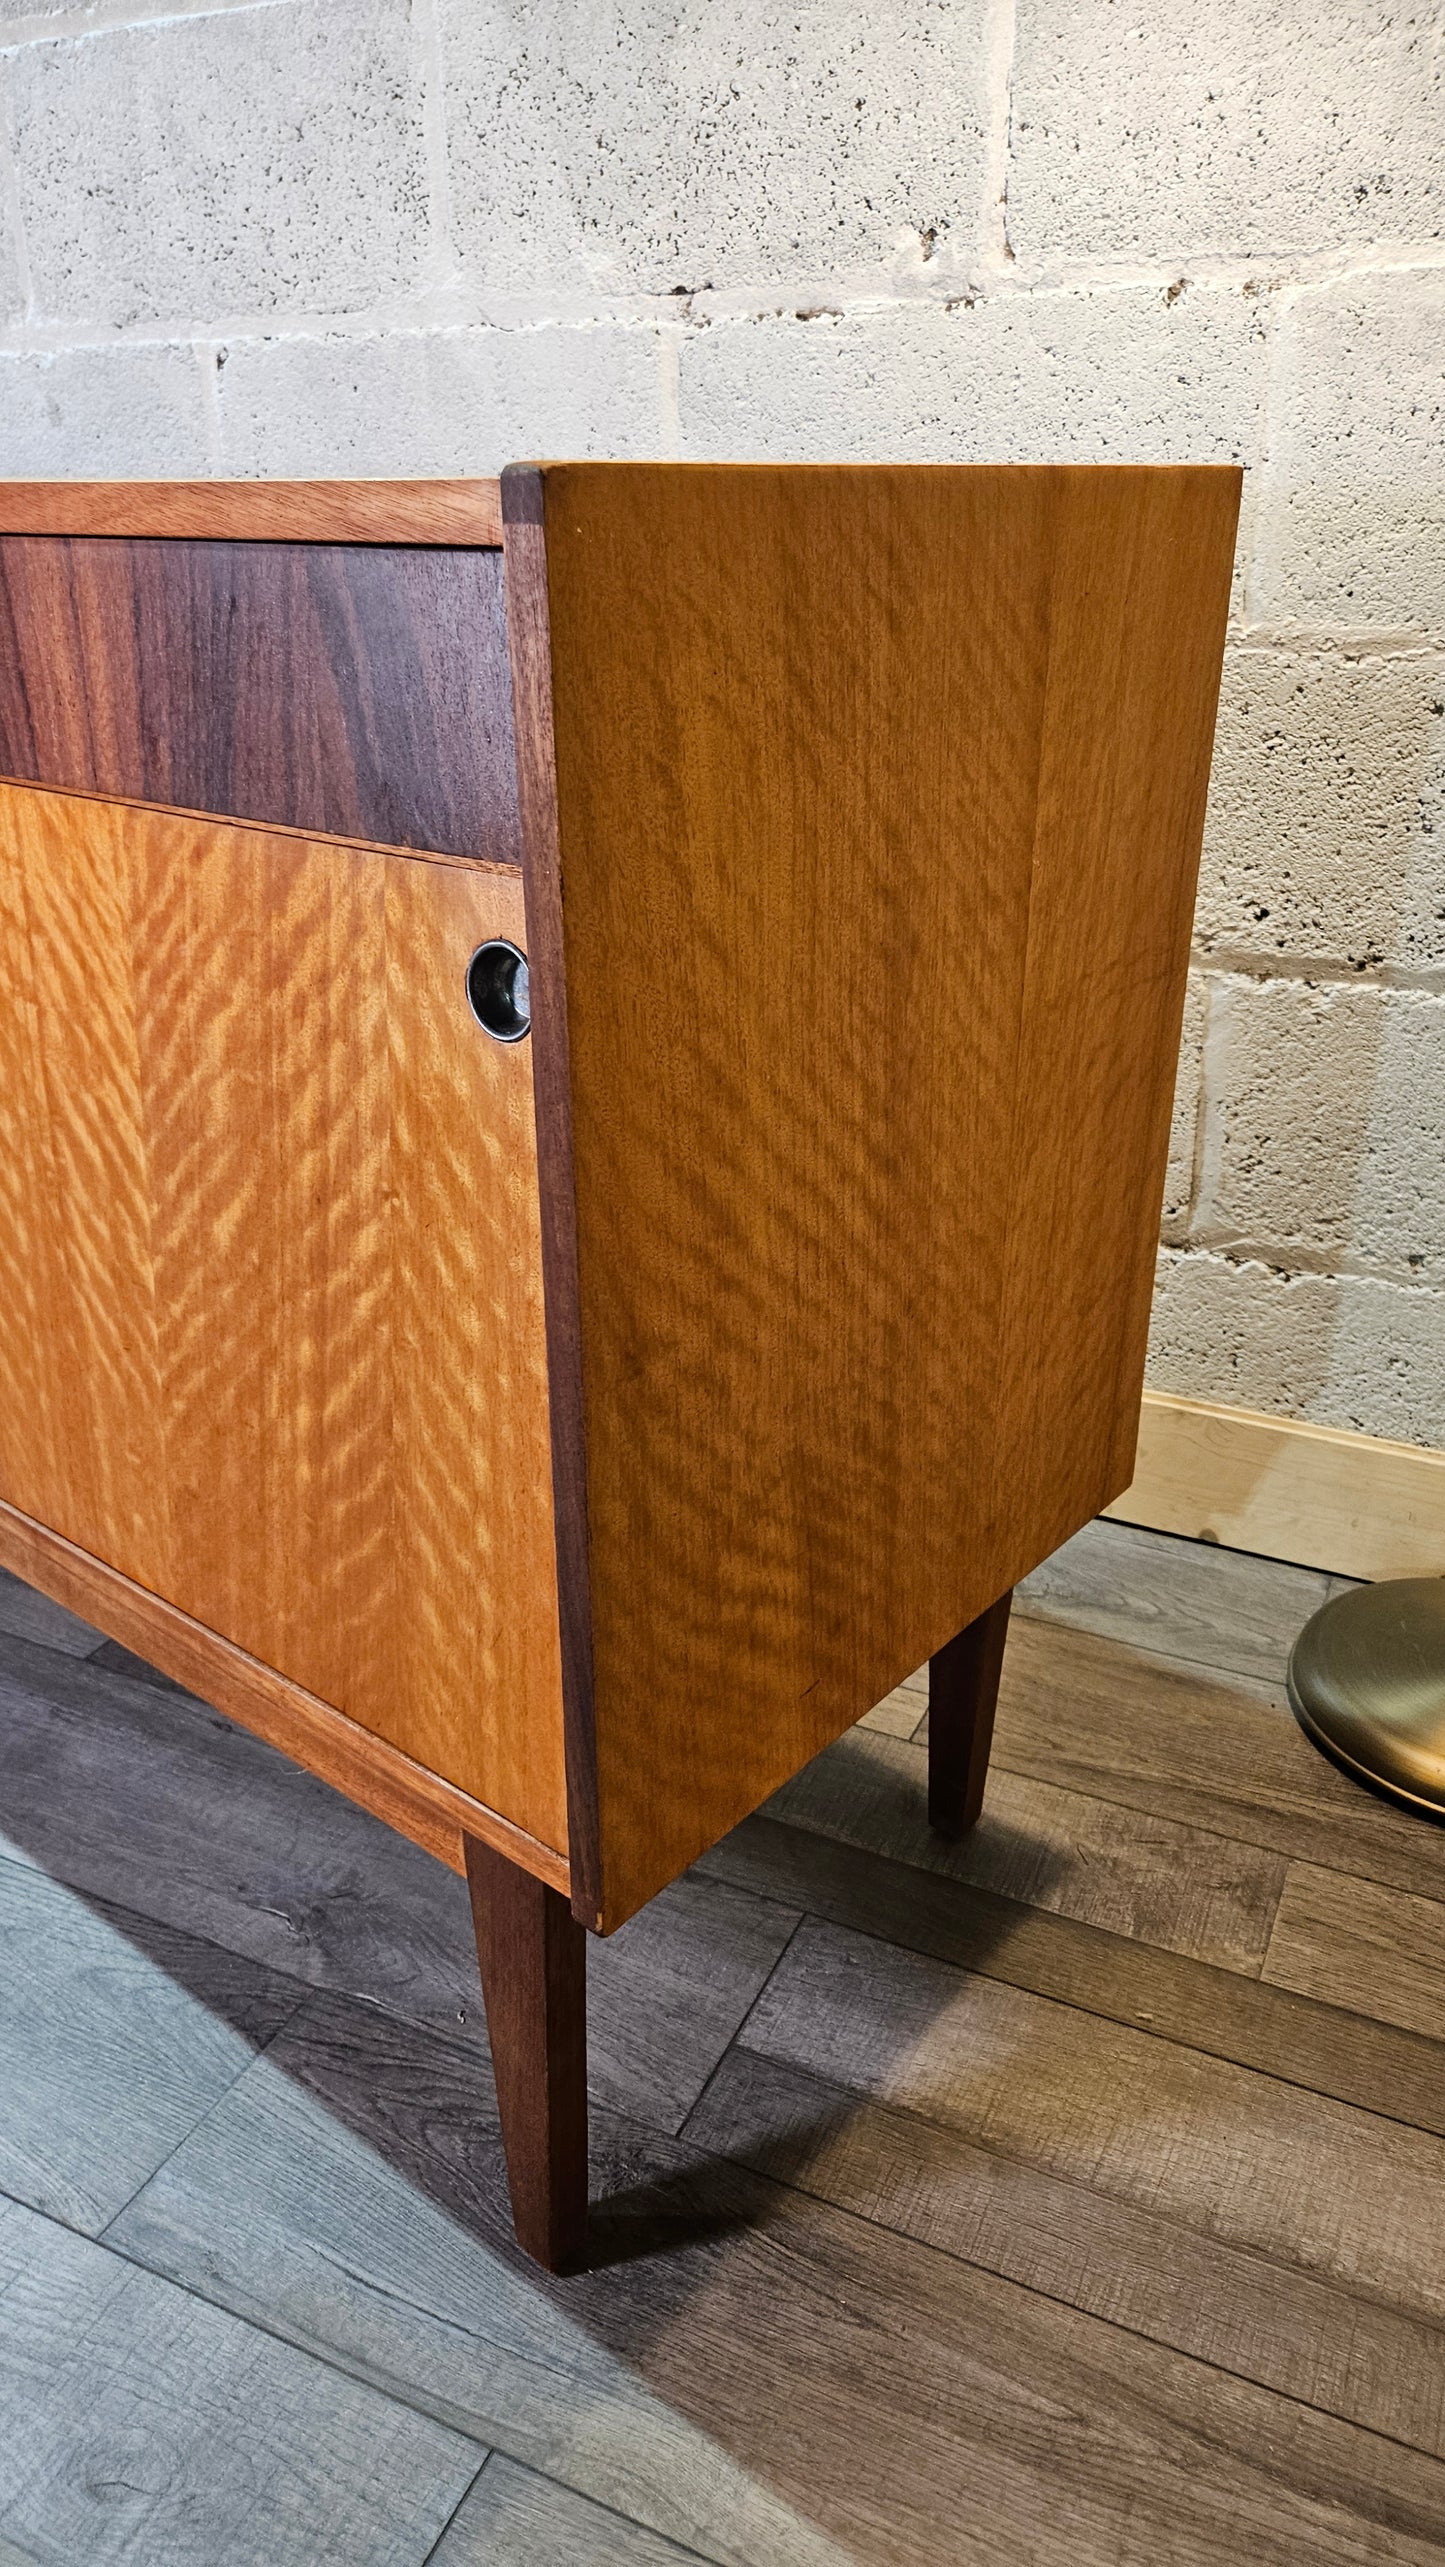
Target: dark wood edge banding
[521, 489]
[260, 512]
[270, 829]
[529, 641]
[433, 1813]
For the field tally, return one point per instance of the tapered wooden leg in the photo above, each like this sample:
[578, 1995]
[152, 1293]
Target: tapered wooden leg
[962, 1691]
[534, 1963]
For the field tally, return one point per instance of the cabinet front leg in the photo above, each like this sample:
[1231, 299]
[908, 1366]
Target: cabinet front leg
[534, 1979]
[962, 1692]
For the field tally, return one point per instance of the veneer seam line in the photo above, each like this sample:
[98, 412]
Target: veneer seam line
[181, 811]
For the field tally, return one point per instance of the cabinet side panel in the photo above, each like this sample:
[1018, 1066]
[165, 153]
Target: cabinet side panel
[362, 690]
[798, 721]
[1140, 600]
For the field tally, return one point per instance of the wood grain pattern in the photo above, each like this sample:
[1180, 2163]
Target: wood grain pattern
[420, 1804]
[259, 512]
[109, 2060]
[1224, 1610]
[1277, 2324]
[1101, 2380]
[533, 1958]
[963, 1678]
[529, 629]
[899, 1714]
[1137, 604]
[1351, 1943]
[515, 2518]
[136, 2421]
[27, 1615]
[129, 1791]
[854, 771]
[1357, 1504]
[1153, 1879]
[1321, 2185]
[358, 690]
[1216, 2011]
[741, 2369]
[1217, 1752]
[271, 1339]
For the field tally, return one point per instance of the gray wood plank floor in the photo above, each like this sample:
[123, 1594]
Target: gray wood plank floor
[1074, 2197]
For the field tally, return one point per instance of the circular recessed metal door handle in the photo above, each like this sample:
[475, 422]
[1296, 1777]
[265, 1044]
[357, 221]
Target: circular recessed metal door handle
[499, 989]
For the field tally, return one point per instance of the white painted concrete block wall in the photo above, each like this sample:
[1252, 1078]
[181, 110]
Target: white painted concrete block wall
[331, 236]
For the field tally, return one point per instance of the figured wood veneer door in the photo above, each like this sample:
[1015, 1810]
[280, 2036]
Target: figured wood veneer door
[271, 1334]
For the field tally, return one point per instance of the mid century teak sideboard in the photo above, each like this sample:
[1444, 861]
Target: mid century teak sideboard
[585, 1071]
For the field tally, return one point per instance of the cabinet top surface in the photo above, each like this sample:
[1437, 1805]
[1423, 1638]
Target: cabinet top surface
[314, 512]
[443, 512]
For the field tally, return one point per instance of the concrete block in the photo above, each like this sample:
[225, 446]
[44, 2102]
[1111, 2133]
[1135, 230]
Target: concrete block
[1176, 131]
[1179, 1181]
[12, 292]
[1340, 1350]
[18, 17]
[1353, 518]
[1124, 375]
[1325, 1134]
[655, 148]
[442, 401]
[253, 160]
[102, 413]
[1326, 832]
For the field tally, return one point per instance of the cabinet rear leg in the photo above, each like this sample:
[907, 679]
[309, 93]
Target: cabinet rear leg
[534, 1964]
[962, 1692]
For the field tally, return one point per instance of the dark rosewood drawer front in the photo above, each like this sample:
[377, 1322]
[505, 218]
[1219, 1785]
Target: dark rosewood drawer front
[362, 690]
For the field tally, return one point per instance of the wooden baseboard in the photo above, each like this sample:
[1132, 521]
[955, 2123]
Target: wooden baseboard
[1355, 1504]
[433, 1813]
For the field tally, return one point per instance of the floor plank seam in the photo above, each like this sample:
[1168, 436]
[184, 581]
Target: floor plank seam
[892, 1941]
[1023, 1774]
[925, 2255]
[101, 2236]
[399, 2393]
[1054, 2299]
[329, 2358]
[999, 1763]
[735, 2038]
[468, 2490]
[1341, 1872]
[598, 2504]
[1141, 1649]
[109, 1909]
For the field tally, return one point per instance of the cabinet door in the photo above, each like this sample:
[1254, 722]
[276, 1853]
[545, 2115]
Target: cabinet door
[271, 1328]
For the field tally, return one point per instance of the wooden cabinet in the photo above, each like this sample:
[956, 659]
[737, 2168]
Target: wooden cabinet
[555, 1441]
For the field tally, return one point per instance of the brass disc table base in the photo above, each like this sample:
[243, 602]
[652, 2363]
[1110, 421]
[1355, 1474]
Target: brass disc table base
[1367, 1684]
